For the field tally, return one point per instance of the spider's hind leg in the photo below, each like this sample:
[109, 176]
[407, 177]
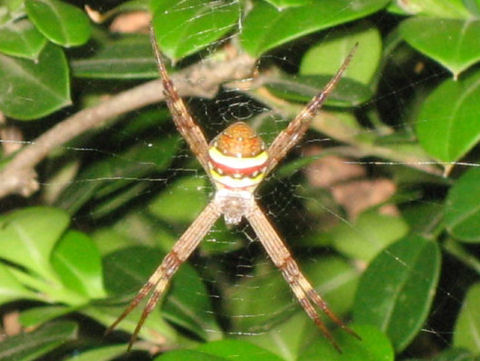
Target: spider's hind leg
[303, 290]
[307, 295]
[159, 280]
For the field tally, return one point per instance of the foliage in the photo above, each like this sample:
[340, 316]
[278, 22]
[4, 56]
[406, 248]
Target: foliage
[113, 200]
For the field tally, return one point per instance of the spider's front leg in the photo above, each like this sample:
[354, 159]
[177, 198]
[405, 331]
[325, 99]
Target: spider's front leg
[297, 128]
[300, 286]
[184, 122]
[159, 280]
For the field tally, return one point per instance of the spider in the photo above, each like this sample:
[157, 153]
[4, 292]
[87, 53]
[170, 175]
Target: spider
[236, 161]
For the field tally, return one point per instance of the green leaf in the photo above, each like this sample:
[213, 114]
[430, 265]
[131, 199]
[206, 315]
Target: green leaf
[286, 339]
[77, 261]
[104, 353]
[467, 326]
[182, 201]
[243, 351]
[187, 355]
[268, 301]
[424, 218]
[32, 89]
[182, 28]
[36, 316]
[27, 237]
[455, 354]
[113, 174]
[155, 329]
[335, 279]
[373, 346]
[327, 56]
[462, 208]
[187, 303]
[12, 6]
[30, 346]
[10, 288]
[130, 57]
[283, 4]
[265, 298]
[60, 22]
[436, 8]
[266, 27]
[396, 291]
[347, 93]
[21, 39]
[276, 320]
[473, 7]
[447, 125]
[451, 42]
[364, 239]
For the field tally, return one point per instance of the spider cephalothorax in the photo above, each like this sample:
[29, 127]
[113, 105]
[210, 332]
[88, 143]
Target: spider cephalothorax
[236, 161]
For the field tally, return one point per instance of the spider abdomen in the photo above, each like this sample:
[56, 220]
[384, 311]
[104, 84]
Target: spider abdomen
[237, 158]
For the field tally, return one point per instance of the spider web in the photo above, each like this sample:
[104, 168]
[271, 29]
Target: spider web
[301, 203]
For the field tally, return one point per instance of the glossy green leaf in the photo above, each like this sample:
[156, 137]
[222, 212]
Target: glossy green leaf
[181, 201]
[60, 22]
[374, 346]
[187, 303]
[222, 239]
[10, 288]
[182, 28]
[424, 218]
[243, 351]
[77, 261]
[473, 6]
[27, 237]
[364, 239]
[13, 5]
[36, 316]
[105, 353]
[266, 27]
[30, 346]
[264, 297]
[436, 8]
[347, 93]
[327, 56]
[268, 300]
[286, 339]
[396, 291]
[467, 326]
[447, 125]
[113, 174]
[451, 42]
[276, 321]
[155, 329]
[109, 240]
[335, 279]
[32, 89]
[187, 355]
[130, 6]
[128, 58]
[455, 354]
[283, 4]
[462, 208]
[21, 39]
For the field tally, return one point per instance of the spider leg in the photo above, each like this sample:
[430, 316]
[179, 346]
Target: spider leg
[159, 280]
[297, 128]
[184, 122]
[300, 286]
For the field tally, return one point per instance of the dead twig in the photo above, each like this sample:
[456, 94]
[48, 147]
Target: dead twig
[202, 79]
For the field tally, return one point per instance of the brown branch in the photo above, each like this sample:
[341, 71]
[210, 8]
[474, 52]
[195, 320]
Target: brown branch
[202, 79]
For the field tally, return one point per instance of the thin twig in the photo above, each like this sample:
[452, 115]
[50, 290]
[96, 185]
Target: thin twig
[202, 79]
